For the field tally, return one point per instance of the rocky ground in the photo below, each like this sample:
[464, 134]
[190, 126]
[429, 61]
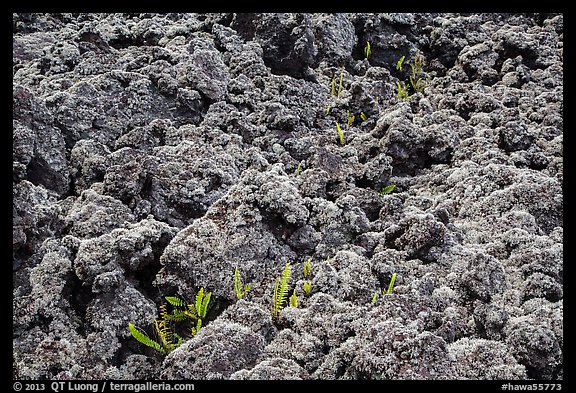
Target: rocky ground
[155, 153]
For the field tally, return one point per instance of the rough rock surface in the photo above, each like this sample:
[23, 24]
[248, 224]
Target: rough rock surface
[155, 153]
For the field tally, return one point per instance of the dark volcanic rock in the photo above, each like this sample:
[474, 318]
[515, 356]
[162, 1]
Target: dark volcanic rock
[153, 154]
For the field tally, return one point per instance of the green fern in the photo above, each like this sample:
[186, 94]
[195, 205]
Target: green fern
[388, 189]
[298, 170]
[351, 120]
[332, 90]
[166, 336]
[367, 50]
[391, 285]
[202, 302]
[307, 268]
[340, 134]
[175, 301]
[176, 315]
[281, 291]
[402, 93]
[144, 339]
[399, 63]
[294, 299]
[239, 288]
[307, 287]
[195, 329]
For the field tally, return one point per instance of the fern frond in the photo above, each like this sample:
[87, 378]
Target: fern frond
[351, 120]
[239, 288]
[307, 287]
[191, 312]
[399, 63]
[367, 50]
[307, 268]
[391, 285]
[340, 134]
[164, 334]
[195, 329]
[298, 169]
[175, 301]
[199, 297]
[204, 305]
[294, 299]
[144, 339]
[388, 189]
[281, 290]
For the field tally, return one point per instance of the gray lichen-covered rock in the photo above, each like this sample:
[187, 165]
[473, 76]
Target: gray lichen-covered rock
[216, 352]
[153, 154]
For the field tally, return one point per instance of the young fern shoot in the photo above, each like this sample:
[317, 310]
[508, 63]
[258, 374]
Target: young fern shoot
[340, 134]
[391, 285]
[281, 291]
[239, 288]
[294, 299]
[144, 339]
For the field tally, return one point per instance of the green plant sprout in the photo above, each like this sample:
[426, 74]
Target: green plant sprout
[415, 82]
[388, 189]
[391, 285]
[328, 109]
[307, 287]
[168, 340]
[239, 288]
[294, 299]
[402, 91]
[307, 270]
[351, 120]
[333, 90]
[144, 339]
[363, 116]
[281, 291]
[367, 50]
[399, 63]
[386, 292]
[340, 134]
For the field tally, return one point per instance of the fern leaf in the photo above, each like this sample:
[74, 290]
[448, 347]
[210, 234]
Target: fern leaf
[307, 268]
[388, 189]
[191, 312]
[340, 134]
[307, 287]
[281, 290]
[204, 306]
[199, 297]
[391, 285]
[239, 288]
[399, 63]
[176, 316]
[294, 299]
[195, 329]
[175, 301]
[144, 339]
